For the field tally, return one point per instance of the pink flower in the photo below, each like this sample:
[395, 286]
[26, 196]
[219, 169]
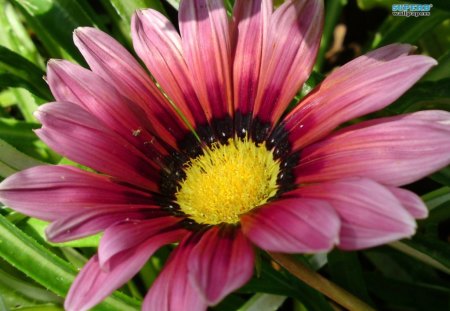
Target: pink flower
[248, 176]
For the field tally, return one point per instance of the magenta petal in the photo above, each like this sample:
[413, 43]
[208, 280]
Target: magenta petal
[53, 192]
[364, 85]
[206, 46]
[84, 222]
[76, 134]
[75, 84]
[173, 290]
[370, 214]
[111, 61]
[133, 232]
[293, 226]
[250, 26]
[393, 151]
[158, 44]
[93, 284]
[411, 202]
[288, 55]
[220, 263]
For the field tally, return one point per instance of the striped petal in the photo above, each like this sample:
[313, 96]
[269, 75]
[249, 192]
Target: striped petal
[112, 62]
[84, 222]
[54, 192]
[250, 27]
[132, 233]
[158, 44]
[173, 290]
[75, 84]
[76, 134]
[220, 263]
[411, 202]
[364, 85]
[288, 55]
[370, 214]
[93, 284]
[206, 46]
[394, 151]
[293, 225]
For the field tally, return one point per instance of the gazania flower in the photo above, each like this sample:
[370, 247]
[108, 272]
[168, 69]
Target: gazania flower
[206, 158]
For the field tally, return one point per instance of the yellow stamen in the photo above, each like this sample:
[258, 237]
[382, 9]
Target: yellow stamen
[227, 181]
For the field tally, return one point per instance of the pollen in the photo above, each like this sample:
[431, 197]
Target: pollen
[228, 180]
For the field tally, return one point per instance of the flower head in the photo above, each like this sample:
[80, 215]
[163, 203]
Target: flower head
[205, 157]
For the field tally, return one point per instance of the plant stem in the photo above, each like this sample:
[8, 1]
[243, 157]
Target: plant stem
[319, 283]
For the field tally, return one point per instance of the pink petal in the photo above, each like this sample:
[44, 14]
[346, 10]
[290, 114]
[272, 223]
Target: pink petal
[206, 46]
[220, 263]
[93, 284]
[131, 233]
[158, 44]
[288, 55]
[84, 222]
[172, 290]
[370, 214]
[76, 134]
[364, 85]
[250, 26]
[117, 66]
[72, 83]
[53, 192]
[411, 202]
[293, 226]
[393, 151]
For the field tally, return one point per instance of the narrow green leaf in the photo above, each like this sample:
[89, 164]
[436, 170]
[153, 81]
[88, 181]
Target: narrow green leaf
[174, 3]
[333, 10]
[40, 225]
[20, 135]
[15, 36]
[407, 30]
[11, 160]
[404, 295]
[441, 71]
[122, 11]
[22, 73]
[54, 21]
[275, 282]
[27, 290]
[425, 253]
[46, 268]
[423, 96]
[263, 302]
[345, 270]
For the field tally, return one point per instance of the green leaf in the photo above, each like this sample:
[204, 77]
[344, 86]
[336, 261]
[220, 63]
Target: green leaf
[345, 270]
[263, 302]
[428, 251]
[404, 295]
[423, 96]
[21, 72]
[26, 290]
[54, 22]
[441, 71]
[40, 225]
[122, 11]
[280, 283]
[15, 36]
[406, 29]
[20, 135]
[333, 11]
[46, 268]
[11, 160]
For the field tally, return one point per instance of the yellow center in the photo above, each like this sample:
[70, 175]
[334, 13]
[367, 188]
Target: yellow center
[227, 181]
